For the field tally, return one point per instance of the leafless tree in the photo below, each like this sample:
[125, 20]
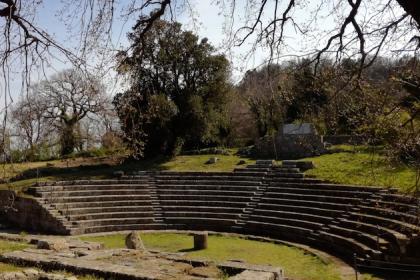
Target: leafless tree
[29, 124]
[69, 97]
[329, 28]
[357, 26]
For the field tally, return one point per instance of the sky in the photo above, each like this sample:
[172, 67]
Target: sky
[207, 19]
[48, 17]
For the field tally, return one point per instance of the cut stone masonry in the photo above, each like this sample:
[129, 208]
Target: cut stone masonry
[262, 199]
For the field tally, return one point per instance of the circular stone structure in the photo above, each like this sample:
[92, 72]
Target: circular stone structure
[377, 225]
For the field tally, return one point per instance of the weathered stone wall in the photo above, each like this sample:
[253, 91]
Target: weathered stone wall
[27, 214]
[289, 146]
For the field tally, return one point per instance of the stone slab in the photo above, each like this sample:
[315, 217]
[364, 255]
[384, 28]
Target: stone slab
[253, 275]
[127, 264]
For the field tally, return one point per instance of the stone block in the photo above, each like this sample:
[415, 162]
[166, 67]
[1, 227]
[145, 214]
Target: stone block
[212, 160]
[14, 276]
[31, 273]
[119, 173]
[252, 275]
[133, 241]
[206, 272]
[56, 244]
[200, 240]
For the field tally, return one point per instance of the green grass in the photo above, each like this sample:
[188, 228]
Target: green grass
[98, 168]
[296, 262]
[362, 166]
[8, 246]
[198, 163]
[353, 165]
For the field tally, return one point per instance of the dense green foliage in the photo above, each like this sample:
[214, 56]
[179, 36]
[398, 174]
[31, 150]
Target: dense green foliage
[177, 95]
[380, 103]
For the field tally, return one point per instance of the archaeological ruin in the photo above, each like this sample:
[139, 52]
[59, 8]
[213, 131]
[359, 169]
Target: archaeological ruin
[375, 226]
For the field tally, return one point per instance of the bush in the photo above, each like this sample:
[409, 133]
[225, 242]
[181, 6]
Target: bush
[208, 151]
[111, 141]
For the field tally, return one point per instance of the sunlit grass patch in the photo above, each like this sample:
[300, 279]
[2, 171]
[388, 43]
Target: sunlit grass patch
[362, 166]
[296, 262]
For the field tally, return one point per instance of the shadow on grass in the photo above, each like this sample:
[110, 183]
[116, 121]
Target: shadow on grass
[187, 250]
[83, 171]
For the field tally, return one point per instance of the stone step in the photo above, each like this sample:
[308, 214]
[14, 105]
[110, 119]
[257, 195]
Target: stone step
[253, 170]
[287, 175]
[237, 228]
[397, 206]
[285, 169]
[400, 198]
[370, 240]
[280, 188]
[88, 182]
[320, 210]
[323, 186]
[289, 163]
[349, 243]
[93, 210]
[258, 167]
[201, 215]
[220, 192]
[199, 203]
[386, 233]
[208, 209]
[292, 215]
[310, 197]
[98, 198]
[116, 192]
[198, 222]
[114, 221]
[100, 203]
[208, 183]
[227, 178]
[111, 215]
[325, 212]
[411, 218]
[403, 227]
[164, 187]
[123, 227]
[275, 179]
[278, 230]
[265, 162]
[285, 221]
[192, 173]
[199, 197]
[87, 187]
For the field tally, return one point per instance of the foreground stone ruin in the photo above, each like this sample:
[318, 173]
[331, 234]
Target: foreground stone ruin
[375, 224]
[86, 258]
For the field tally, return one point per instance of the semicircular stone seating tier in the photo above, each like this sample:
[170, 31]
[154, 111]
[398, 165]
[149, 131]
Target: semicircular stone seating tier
[262, 199]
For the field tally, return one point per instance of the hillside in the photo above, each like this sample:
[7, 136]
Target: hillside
[351, 165]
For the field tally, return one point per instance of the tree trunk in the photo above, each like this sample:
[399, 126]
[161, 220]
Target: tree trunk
[412, 7]
[68, 139]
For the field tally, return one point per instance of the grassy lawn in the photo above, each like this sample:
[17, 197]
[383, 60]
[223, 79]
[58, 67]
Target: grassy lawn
[198, 163]
[353, 165]
[8, 246]
[362, 166]
[22, 175]
[296, 263]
